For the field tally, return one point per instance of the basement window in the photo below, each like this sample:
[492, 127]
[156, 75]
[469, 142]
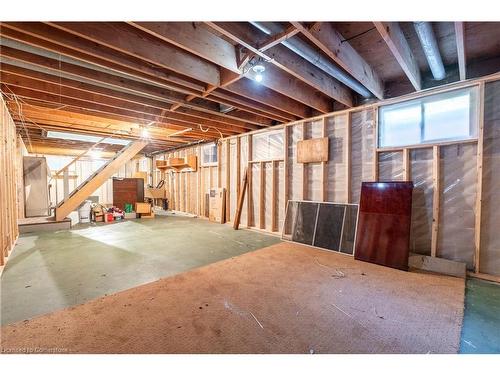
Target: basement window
[267, 146]
[209, 155]
[450, 116]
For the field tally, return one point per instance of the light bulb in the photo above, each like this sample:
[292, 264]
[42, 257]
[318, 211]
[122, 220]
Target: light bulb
[258, 77]
[145, 133]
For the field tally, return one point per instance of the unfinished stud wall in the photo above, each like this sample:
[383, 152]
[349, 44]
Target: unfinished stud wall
[9, 177]
[456, 184]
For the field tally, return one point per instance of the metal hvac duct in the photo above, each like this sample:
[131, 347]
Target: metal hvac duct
[430, 47]
[305, 51]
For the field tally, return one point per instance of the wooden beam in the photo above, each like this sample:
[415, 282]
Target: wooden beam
[283, 83]
[264, 95]
[406, 165]
[274, 196]
[479, 179]
[250, 173]
[460, 39]
[125, 39]
[397, 43]
[436, 198]
[348, 152]
[81, 73]
[332, 43]
[262, 196]
[292, 64]
[95, 182]
[79, 98]
[195, 39]
[49, 38]
[324, 170]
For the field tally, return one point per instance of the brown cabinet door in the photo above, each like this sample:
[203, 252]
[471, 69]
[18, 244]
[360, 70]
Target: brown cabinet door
[383, 235]
[127, 190]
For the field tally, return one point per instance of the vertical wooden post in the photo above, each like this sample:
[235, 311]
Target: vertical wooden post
[238, 165]
[436, 180]
[348, 148]
[285, 164]
[250, 188]
[262, 196]
[219, 165]
[479, 189]
[304, 166]
[406, 165]
[228, 179]
[375, 144]
[324, 174]
[274, 194]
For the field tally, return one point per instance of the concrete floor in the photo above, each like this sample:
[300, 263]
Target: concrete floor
[481, 327]
[49, 271]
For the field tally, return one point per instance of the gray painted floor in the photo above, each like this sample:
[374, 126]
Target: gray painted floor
[49, 271]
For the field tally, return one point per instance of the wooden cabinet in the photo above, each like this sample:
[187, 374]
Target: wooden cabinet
[127, 190]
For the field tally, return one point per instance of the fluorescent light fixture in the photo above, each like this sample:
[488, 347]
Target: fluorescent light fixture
[95, 154]
[86, 138]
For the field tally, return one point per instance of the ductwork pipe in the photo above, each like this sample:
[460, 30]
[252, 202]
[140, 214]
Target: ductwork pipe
[430, 47]
[305, 51]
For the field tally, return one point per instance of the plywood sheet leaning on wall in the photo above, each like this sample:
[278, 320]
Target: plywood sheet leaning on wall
[489, 261]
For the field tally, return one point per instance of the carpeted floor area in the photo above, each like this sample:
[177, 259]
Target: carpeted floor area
[286, 298]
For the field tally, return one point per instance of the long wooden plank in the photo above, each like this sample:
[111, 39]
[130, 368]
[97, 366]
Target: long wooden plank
[436, 198]
[81, 73]
[195, 39]
[393, 35]
[479, 179]
[333, 44]
[124, 38]
[12, 75]
[460, 39]
[262, 196]
[241, 198]
[274, 196]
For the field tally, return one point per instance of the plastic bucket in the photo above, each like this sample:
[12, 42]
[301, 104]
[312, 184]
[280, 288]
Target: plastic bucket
[84, 212]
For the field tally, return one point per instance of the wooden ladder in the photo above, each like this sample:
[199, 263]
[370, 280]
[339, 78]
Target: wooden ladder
[99, 177]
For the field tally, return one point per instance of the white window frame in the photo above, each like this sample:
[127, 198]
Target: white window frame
[209, 164]
[473, 117]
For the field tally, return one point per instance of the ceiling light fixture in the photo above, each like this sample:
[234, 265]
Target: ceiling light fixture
[145, 133]
[259, 69]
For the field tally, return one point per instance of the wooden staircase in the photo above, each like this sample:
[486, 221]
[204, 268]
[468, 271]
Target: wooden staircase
[99, 177]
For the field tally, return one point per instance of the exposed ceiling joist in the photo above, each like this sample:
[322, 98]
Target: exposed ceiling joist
[461, 52]
[332, 43]
[397, 43]
[292, 64]
[125, 39]
[196, 40]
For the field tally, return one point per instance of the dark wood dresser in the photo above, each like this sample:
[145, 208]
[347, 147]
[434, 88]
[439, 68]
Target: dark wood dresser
[127, 190]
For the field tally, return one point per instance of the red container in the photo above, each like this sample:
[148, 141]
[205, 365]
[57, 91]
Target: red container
[108, 217]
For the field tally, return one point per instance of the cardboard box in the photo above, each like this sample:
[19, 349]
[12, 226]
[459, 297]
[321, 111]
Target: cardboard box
[142, 208]
[217, 205]
[130, 215]
[155, 193]
[151, 215]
